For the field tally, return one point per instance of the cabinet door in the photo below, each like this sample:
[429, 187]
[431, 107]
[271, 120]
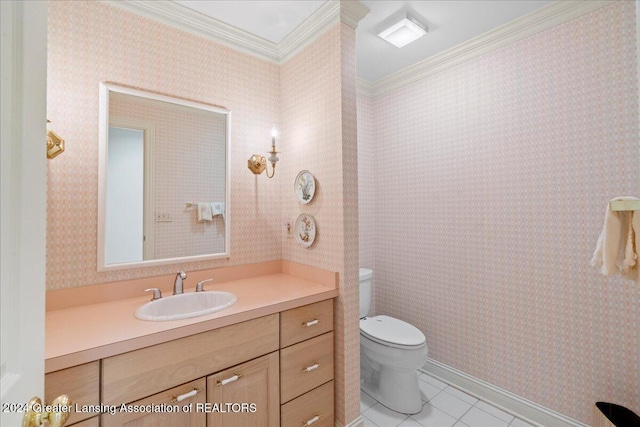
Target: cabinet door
[163, 409]
[81, 383]
[245, 395]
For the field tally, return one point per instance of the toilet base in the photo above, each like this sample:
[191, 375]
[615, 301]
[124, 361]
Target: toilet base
[399, 392]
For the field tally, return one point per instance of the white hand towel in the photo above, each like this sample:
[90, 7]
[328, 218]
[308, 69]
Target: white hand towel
[217, 208]
[631, 263]
[630, 255]
[615, 248]
[204, 212]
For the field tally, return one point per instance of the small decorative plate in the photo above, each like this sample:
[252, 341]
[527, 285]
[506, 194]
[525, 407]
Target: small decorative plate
[305, 187]
[305, 230]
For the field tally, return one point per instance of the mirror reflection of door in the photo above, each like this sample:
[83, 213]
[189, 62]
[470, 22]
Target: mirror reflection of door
[129, 236]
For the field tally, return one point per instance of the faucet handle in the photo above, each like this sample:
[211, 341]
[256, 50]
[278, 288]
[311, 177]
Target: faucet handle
[200, 285]
[156, 293]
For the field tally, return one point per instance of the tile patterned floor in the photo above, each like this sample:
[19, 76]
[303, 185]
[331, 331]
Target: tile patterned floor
[443, 406]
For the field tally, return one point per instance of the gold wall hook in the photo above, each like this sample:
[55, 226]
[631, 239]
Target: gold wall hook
[37, 413]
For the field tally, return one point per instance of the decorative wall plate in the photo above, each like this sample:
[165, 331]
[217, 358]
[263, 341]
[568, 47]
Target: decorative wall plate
[305, 230]
[305, 187]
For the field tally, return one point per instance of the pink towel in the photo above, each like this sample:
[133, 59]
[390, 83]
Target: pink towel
[617, 247]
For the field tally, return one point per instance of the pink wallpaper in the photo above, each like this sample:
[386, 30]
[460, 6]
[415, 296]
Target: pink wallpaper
[319, 134]
[490, 183]
[91, 42]
[366, 188]
[311, 99]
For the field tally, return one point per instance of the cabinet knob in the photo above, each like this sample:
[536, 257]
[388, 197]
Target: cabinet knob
[35, 415]
[311, 323]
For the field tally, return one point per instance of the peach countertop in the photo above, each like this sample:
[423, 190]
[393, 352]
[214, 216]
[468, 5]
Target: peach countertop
[82, 334]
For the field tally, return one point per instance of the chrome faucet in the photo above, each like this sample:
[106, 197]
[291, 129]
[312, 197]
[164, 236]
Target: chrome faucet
[177, 285]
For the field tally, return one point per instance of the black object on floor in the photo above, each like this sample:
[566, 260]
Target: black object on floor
[619, 415]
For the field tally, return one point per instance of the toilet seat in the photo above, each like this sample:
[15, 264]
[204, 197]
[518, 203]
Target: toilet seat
[392, 332]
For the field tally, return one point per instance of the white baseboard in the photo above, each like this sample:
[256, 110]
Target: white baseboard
[522, 408]
[358, 422]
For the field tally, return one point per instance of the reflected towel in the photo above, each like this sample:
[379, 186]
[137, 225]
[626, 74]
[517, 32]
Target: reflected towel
[217, 208]
[617, 248]
[204, 212]
[631, 263]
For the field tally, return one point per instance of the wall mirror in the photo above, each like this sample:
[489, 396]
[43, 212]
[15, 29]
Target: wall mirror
[163, 182]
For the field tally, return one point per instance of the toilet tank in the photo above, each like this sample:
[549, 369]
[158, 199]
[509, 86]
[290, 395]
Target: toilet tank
[365, 291]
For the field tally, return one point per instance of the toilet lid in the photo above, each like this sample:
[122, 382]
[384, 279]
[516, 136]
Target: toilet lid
[391, 330]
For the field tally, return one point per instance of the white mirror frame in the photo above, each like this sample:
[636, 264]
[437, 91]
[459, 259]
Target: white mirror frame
[103, 140]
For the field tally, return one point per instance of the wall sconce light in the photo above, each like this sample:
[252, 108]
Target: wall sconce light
[257, 163]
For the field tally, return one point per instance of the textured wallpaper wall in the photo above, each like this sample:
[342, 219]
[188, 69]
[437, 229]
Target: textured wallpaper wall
[366, 188]
[319, 135]
[91, 42]
[311, 99]
[491, 183]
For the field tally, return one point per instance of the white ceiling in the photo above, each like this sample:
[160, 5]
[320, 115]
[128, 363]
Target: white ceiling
[272, 20]
[450, 23]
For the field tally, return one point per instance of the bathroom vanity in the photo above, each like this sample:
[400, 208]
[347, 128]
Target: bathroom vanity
[267, 361]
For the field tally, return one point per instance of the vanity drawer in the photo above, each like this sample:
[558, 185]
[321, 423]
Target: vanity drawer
[80, 383]
[305, 322]
[305, 366]
[316, 403]
[153, 411]
[91, 422]
[131, 376]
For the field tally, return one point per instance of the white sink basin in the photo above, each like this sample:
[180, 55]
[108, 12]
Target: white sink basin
[183, 306]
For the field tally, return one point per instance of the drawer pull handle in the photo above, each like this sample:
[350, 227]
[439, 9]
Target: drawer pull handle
[235, 377]
[313, 322]
[311, 368]
[311, 421]
[184, 396]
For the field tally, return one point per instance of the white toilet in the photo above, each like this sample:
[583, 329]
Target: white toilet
[390, 353]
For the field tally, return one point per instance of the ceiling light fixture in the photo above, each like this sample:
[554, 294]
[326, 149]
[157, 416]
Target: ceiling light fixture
[404, 32]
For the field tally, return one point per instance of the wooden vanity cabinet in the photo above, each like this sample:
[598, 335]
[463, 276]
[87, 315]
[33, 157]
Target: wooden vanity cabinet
[316, 405]
[245, 395]
[163, 409]
[237, 375]
[81, 383]
[130, 376]
[306, 365]
[91, 422]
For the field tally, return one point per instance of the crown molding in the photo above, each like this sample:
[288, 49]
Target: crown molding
[348, 11]
[168, 12]
[518, 29]
[364, 87]
[352, 12]
[176, 15]
[320, 21]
